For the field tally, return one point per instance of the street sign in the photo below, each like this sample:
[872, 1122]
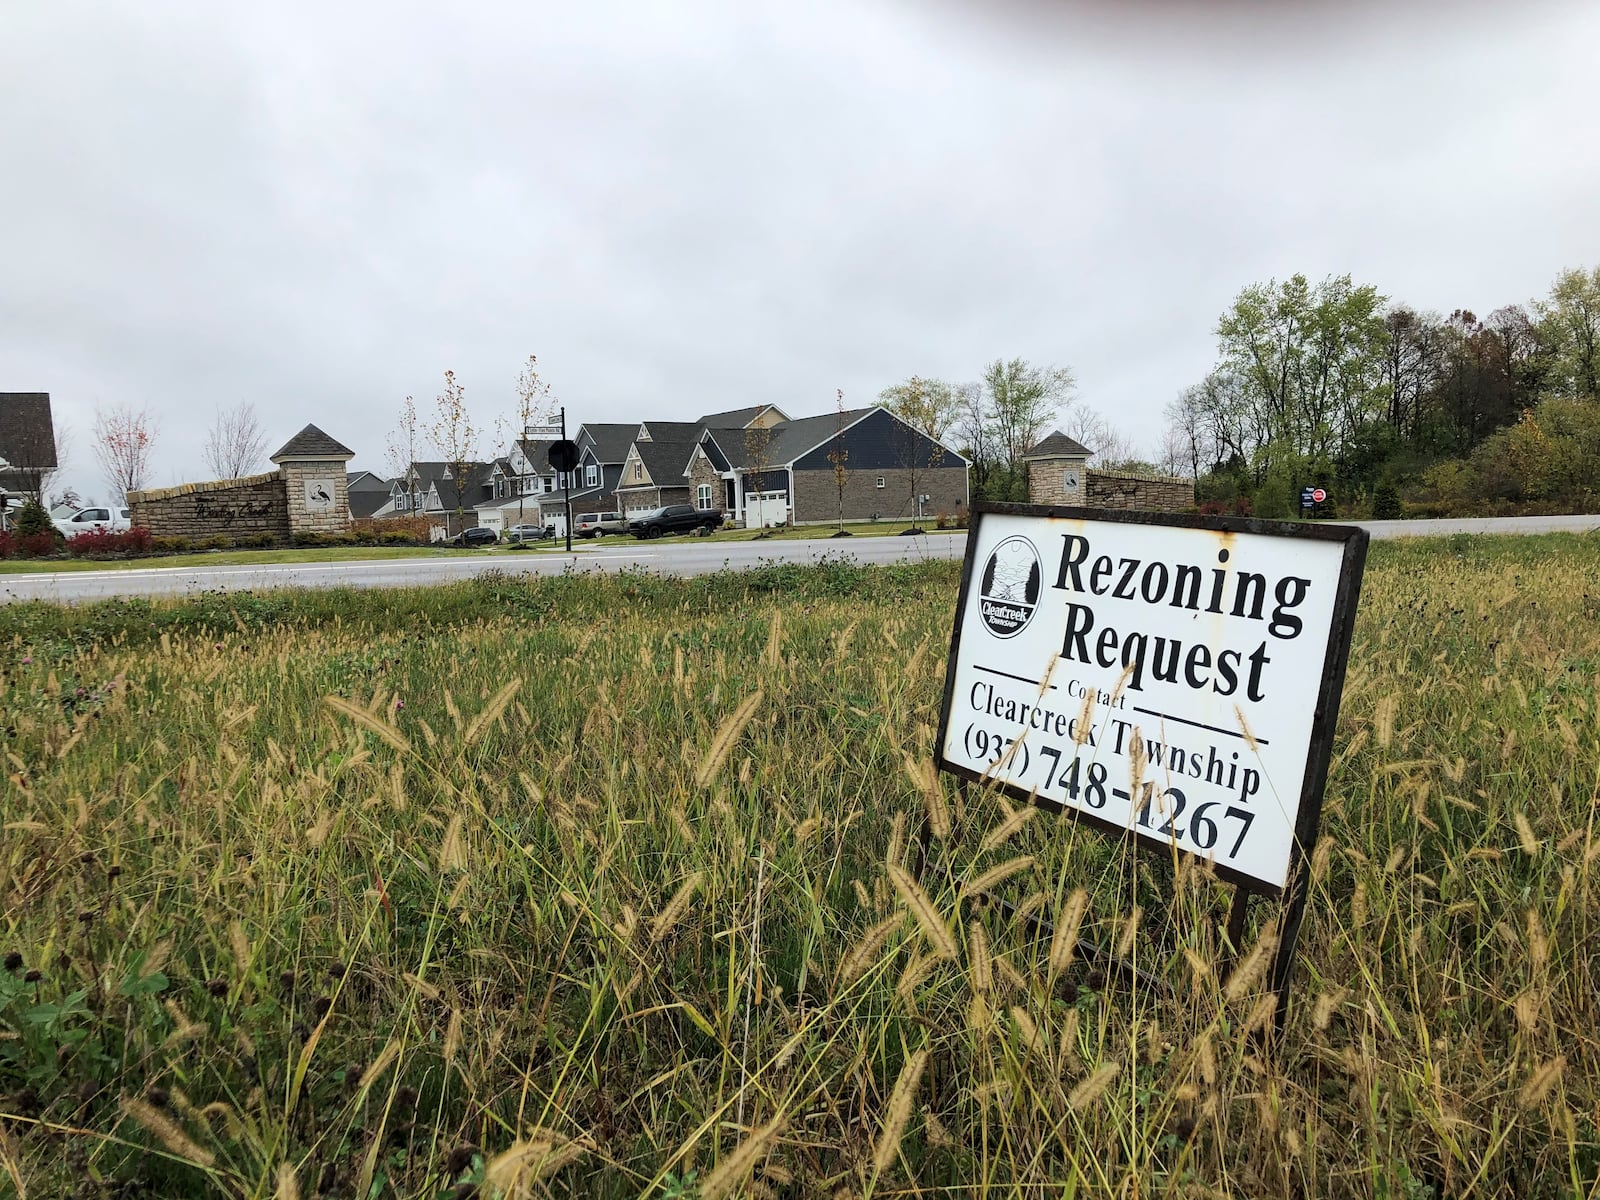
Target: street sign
[542, 431]
[563, 455]
[1318, 495]
[1173, 678]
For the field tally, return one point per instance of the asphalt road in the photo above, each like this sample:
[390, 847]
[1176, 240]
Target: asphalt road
[680, 558]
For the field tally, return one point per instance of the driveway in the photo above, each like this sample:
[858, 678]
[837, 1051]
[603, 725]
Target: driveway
[681, 558]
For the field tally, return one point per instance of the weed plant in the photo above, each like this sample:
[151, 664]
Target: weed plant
[606, 886]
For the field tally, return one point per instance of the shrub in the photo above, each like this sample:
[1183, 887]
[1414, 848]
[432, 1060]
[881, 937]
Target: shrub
[171, 545]
[36, 545]
[217, 541]
[396, 537]
[105, 543]
[33, 518]
[8, 544]
[1385, 503]
[255, 541]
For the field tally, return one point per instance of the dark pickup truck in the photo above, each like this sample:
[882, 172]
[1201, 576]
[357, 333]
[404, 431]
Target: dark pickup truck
[674, 518]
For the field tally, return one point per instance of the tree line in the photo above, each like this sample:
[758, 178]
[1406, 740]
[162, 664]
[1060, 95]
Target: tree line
[1334, 384]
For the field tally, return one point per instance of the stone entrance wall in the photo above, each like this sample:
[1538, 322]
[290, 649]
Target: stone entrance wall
[251, 506]
[1138, 493]
[318, 499]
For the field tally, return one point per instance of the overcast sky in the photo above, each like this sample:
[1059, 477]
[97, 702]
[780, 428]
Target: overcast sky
[319, 207]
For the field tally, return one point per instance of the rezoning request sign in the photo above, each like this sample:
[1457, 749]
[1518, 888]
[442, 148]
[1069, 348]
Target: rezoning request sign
[1173, 677]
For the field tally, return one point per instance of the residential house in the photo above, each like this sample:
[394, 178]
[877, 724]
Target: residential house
[27, 443]
[784, 473]
[368, 493]
[429, 489]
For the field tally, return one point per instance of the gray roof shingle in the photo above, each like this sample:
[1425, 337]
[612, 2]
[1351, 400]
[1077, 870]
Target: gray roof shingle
[311, 442]
[1058, 445]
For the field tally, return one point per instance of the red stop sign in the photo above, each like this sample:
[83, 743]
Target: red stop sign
[1318, 495]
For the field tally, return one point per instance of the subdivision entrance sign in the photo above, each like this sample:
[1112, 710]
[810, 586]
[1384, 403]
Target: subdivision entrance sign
[1176, 678]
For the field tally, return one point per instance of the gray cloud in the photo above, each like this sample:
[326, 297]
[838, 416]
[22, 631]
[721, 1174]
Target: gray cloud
[319, 208]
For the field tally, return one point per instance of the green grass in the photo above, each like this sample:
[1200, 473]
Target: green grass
[377, 892]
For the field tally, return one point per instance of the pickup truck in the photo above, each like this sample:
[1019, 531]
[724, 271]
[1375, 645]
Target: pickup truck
[674, 518]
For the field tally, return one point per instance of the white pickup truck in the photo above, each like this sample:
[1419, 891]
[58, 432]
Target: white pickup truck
[97, 519]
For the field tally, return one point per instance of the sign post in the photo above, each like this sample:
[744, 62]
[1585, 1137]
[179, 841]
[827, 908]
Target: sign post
[1172, 680]
[563, 457]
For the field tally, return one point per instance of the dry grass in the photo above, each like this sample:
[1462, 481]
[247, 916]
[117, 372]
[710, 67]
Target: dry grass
[347, 910]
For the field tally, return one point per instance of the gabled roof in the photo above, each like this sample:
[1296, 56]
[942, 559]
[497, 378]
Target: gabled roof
[1058, 445]
[27, 437]
[311, 442]
[366, 481]
[738, 418]
[665, 458]
[610, 442]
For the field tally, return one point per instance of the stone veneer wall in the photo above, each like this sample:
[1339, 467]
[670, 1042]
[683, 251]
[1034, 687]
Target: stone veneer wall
[331, 473]
[1139, 493]
[1047, 481]
[702, 472]
[816, 495]
[255, 504]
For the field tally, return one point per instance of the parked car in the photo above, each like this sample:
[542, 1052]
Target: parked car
[530, 533]
[478, 535]
[96, 520]
[592, 525]
[674, 518]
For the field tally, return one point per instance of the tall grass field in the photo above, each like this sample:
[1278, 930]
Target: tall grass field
[605, 887]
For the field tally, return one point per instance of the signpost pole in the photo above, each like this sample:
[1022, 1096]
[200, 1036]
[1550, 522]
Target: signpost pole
[566, 482]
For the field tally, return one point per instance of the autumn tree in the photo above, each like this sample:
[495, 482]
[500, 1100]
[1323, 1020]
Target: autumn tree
[124, 437]
[235, 442]
[456, 439]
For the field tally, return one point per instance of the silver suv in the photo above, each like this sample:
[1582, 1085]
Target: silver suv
[588, 525]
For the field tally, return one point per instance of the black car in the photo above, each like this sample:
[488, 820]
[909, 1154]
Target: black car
[674, 518]
[478, 535]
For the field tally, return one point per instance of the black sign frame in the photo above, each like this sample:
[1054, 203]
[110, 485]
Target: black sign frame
[1325, 719]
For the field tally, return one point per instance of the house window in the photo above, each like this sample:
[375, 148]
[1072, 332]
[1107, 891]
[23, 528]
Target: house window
[638, 470]
[702, 497]
[880, 480]
[591, 475]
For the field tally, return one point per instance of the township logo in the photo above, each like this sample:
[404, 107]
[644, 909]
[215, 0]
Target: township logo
[1009, 592]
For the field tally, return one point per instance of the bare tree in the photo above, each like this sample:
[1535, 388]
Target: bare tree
[1108, 445]
[758, 461]
[839, 455]
[456, 438]
[974, 427]
[235, 442]
[926, 408]
[123, 439]
[536, 405]
[401, 452]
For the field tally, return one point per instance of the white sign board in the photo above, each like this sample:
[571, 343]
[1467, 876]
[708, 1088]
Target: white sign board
[1163, 678]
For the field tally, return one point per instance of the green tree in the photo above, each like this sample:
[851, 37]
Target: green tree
[1570, 323]
[1023, 401]
[1305, 362]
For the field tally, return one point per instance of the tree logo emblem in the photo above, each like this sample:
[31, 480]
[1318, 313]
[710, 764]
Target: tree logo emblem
[1008, 595]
